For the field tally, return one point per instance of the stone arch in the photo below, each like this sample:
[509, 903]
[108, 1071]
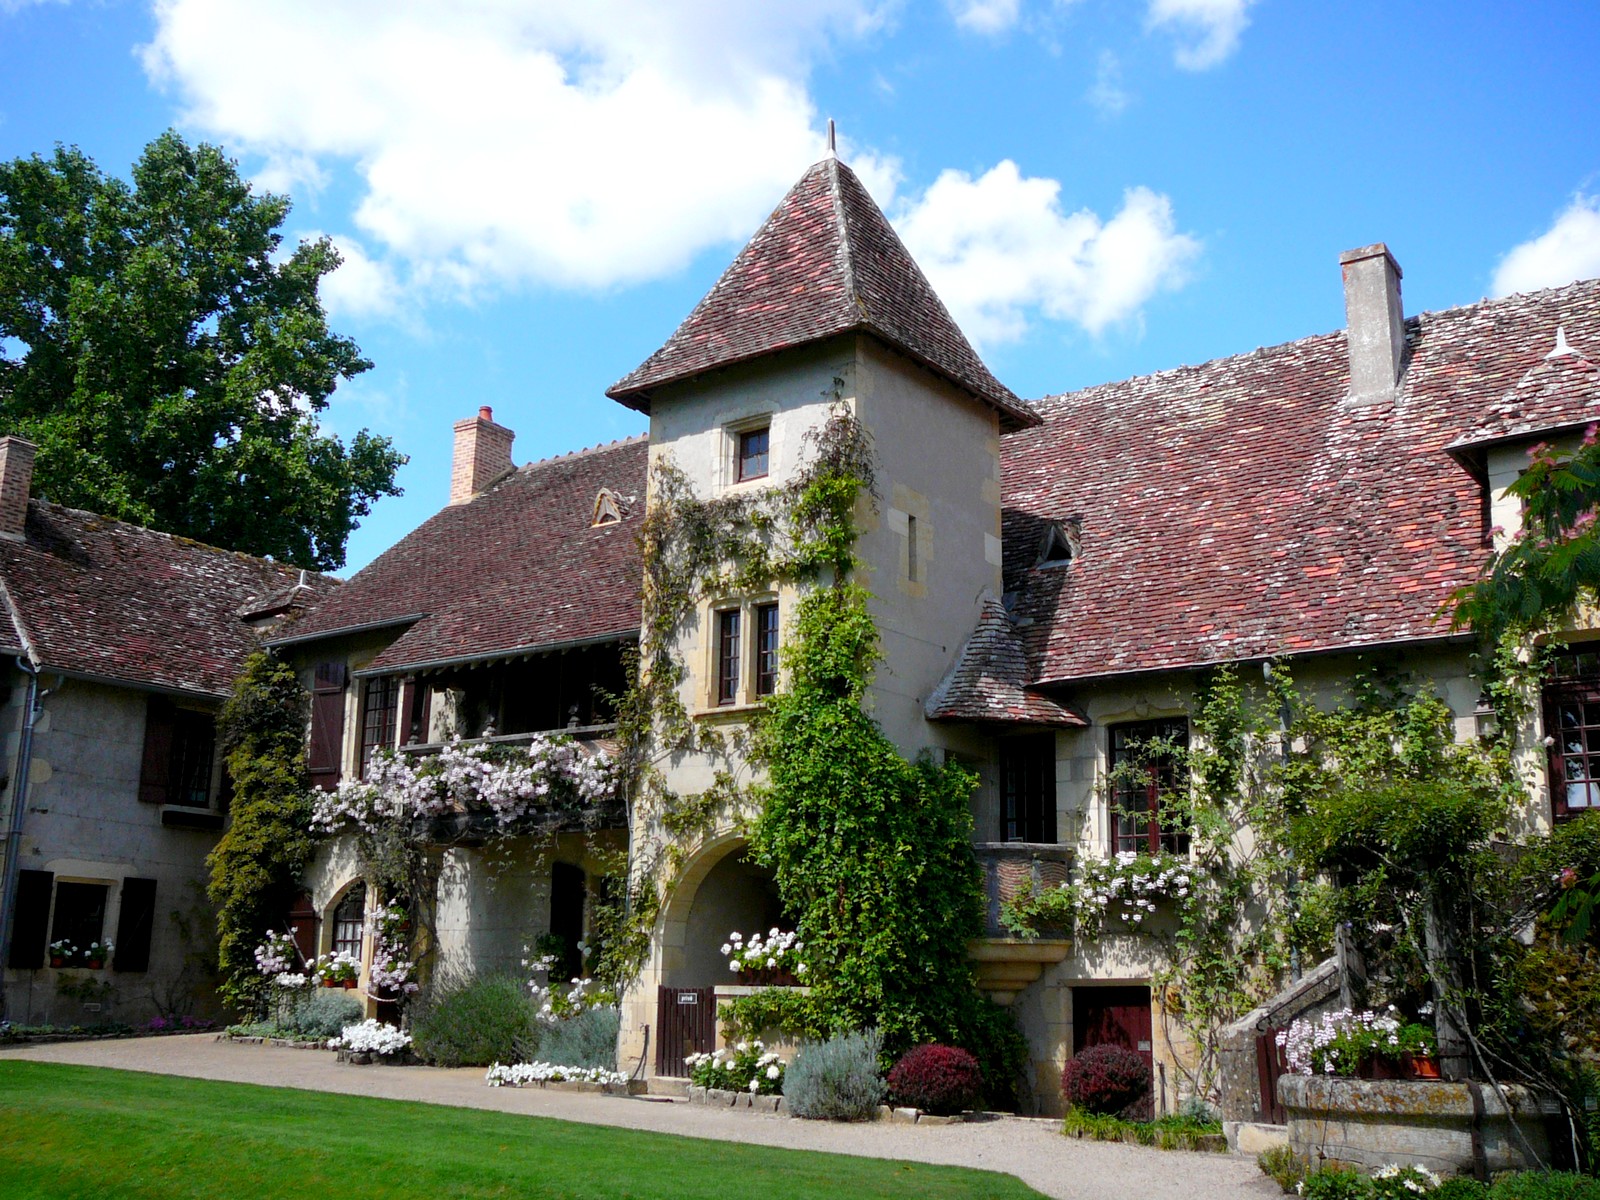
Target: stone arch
[718, 891]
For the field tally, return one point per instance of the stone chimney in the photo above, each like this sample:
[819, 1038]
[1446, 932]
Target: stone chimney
[483, 454]
[16, 479]
[1377, 324]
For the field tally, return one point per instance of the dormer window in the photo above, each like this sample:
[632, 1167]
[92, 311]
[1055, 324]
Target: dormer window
[1060, 543]
[752, 459]
[607, 509]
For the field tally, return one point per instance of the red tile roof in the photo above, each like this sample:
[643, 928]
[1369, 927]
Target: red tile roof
[989, 682]
[1246, 508]
[825, 263]
[516, 568]
[98, 597]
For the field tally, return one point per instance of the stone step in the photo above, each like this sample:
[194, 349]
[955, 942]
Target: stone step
[667, 1085]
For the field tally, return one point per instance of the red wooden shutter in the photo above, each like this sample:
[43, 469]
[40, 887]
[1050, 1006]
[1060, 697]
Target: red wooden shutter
[135, 923]
[327, 725]
[155, 775]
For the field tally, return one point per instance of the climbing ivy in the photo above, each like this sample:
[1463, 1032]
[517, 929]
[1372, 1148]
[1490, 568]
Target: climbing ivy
[256, 865]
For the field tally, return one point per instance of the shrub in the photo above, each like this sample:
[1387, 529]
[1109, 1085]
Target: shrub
[1545, 1185]
[937, 1079]
[1283, 1167]
[745, 1067]
[1105, 1078]
[323, 1013]
[1398, 1182]
[836, 1080]
[586, 1040]
[1336, 1183]
[475, 1021]
[1459, 1188]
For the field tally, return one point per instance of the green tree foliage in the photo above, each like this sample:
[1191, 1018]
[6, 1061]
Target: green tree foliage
[173, 361]
[256, 866]
[1552, 565]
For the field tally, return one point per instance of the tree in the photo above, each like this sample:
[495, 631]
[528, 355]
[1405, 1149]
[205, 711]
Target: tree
[256, 866]
[172, 361]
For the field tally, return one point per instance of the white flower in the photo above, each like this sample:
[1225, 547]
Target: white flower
[774, 1072]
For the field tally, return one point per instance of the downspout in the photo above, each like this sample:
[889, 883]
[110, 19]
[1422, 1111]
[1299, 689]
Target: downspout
[33, 706]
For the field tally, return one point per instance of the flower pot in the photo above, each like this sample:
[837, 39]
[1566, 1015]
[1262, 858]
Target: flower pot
[769, 977]
[57, 961]
[94, 964]
[339, 983]
[1375, 1066]
[1424, 1066]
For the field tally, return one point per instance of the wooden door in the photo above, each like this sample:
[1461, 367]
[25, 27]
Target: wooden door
[1119, 1015]
[686, 1023]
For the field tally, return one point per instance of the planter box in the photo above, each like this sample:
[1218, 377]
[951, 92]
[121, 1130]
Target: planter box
[1371, 1123]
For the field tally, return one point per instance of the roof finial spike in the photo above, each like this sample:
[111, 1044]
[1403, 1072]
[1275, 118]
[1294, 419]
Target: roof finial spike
[833, 140]
[1562, 348]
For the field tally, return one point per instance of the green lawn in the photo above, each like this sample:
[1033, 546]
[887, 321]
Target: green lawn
[70, 1132]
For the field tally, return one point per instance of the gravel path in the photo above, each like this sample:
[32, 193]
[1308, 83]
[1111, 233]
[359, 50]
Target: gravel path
[1030, 1149]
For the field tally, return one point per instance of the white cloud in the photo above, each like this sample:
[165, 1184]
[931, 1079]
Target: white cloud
[999, 249]
[1107, 93]
[986, 16]
[361, 286]
[1568, 250]
[501, 142]
[1210, 28]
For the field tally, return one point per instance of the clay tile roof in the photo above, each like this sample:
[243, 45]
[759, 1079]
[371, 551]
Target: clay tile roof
[825, 263]
[988, 682]
[1561, 390]
[98, 597]
[1245, 508]
[514, 569]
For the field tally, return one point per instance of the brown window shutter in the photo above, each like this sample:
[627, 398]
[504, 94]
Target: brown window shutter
[327, 725]
[30, 925]
[155, 776]
[135, 923]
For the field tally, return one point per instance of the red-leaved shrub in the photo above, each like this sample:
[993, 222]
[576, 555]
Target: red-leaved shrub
[1105, 1078]
[942, 1080]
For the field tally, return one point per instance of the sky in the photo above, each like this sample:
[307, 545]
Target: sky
[531, 194]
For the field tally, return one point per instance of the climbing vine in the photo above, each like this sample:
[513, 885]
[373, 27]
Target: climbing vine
[256, 865]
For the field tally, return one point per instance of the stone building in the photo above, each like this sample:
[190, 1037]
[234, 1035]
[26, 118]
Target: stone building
[1048, 580]
[119, 645]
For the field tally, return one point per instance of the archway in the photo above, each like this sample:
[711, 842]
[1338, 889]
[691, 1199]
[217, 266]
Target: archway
[733, 894]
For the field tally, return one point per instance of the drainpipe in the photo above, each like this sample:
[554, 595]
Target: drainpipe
[32, 708]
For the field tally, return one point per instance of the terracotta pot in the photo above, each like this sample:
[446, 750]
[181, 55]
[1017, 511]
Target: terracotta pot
[57, 961]
[769, 977]
[339, 983]
[1375, 1066]
[94, 964]
[1424, 1066]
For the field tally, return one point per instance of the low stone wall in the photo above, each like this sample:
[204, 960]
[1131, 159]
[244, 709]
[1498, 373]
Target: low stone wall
[1447, 1127]
[724, 1098]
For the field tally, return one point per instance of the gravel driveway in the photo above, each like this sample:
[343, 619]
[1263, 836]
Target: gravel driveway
[1030, 1149]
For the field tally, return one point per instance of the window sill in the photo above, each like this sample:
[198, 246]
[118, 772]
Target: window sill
[730, 711]
[191, 818]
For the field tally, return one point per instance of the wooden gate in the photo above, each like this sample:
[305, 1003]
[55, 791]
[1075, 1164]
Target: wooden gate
[686, 1023]
[1271, 1062]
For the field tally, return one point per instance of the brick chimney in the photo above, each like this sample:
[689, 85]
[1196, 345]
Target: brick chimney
[483, 454]
[1376, 323]
[16, 479]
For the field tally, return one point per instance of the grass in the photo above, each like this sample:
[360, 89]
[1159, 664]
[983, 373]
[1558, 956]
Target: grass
[82, 1133]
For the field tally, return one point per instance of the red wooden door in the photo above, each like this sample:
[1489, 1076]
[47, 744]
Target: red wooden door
[686, 1023]
[1119, 1015]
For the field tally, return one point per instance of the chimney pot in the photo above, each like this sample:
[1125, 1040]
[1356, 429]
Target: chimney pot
[482, 455]
[1376, 321]
[16, 481]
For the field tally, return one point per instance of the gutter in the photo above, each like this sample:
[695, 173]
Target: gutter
[296, 639]
[32, 709]
[492, 656]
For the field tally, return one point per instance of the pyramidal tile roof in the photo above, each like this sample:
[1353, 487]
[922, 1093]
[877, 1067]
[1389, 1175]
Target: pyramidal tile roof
[826, 263]
[989, 681]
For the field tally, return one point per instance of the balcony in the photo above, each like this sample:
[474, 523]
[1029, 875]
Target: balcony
[1006, 964]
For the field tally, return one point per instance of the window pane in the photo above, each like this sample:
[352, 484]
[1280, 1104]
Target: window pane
[1028, 788]
[728, 656]
[193, 748]
[80, 914]
[766, 649]
[381, 705]
[1146, 763]
[753, 454]
[348, 919]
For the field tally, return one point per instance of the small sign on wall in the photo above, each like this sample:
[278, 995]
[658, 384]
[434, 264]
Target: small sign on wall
[688, 998]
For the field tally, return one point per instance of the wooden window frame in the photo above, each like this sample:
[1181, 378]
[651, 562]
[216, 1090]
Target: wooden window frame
[728, 653]
[349, 933]
[746, 460]
[1577, 690]
[1138, 805]
[380, 716]
[767, 631]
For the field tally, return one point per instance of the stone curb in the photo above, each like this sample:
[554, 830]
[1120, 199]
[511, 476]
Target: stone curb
[775, 1105]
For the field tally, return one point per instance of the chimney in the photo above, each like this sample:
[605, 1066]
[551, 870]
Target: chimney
[16, 479]
[483, 454]
[1377, 324]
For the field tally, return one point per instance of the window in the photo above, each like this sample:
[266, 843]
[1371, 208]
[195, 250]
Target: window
[179, 751]
[348, 921]
[766, 649]
[752, 454]
[911, 548]
[80, 914]
[1572, 719]
[380, 708]
[1028, 788]
[728, 656]
[1145, 766]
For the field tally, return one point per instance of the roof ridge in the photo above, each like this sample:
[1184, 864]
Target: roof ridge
[846, 252]
[182, 539]
[569, 455]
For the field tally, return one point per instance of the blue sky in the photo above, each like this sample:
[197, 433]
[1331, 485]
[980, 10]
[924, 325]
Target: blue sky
[531, 195]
